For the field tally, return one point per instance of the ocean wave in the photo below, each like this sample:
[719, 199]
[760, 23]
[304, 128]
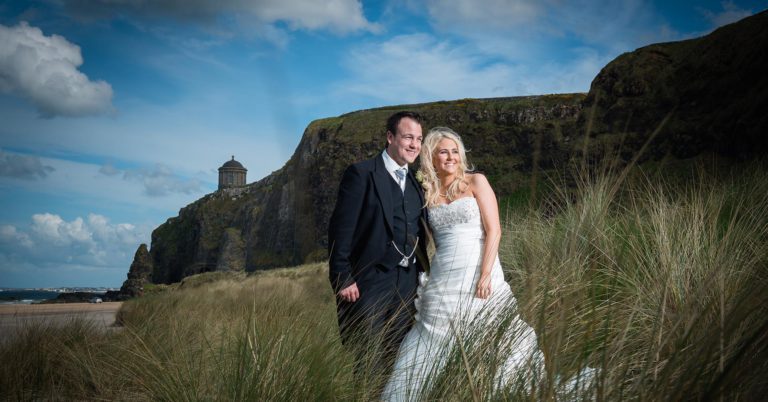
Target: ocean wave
[22, 301]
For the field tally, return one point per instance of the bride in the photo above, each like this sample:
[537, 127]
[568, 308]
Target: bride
[465, 293]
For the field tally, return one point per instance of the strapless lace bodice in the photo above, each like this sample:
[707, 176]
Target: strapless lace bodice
[461, 211]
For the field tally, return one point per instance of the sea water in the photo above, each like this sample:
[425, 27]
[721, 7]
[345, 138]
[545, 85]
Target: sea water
[24, 296]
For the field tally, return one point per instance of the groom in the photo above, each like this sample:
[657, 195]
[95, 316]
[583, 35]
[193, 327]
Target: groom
[377, 243]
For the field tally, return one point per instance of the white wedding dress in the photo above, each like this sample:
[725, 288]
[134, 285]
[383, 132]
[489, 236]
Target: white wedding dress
[448, 311]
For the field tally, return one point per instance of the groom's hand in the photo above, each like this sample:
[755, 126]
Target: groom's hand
[350, 293]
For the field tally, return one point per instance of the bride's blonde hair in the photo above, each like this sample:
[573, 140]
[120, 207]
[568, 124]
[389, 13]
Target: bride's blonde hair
[427, 173]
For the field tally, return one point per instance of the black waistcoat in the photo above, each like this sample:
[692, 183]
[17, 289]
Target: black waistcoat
[406, 211]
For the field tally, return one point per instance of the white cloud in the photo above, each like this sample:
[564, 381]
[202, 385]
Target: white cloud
[44, 70]
[51, 241]
[616, 26]
[502, 48]
[52, 229]
[67, 246]
[103, 231]
[188, 137]
[9, 235]
[112, 194]
[25, 167]
[420, 68]
[416, 68]
[339, 16]
[730, 13]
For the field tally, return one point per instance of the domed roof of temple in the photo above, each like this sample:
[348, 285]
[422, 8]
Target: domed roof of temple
[232, 164]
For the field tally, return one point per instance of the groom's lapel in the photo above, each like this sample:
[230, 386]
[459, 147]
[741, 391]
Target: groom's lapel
[420, 191]
[381, 182]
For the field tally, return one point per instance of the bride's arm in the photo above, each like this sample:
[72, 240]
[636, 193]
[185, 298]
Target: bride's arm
[489, 212]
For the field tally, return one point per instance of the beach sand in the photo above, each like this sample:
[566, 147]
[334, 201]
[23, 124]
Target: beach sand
[15, 316]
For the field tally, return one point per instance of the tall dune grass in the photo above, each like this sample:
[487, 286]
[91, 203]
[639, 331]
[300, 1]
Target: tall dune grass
[264, 337]
[231, 340]
[661, 285]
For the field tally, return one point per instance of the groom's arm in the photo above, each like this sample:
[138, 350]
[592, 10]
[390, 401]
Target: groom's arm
[341, 228]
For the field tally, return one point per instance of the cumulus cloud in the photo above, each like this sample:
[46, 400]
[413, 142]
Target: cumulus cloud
[9, 235]
[340, 16]
[122, 233]
[52, 241]
[23, 166]
[158, 181]
[54, 230]
[44, 70]
[730, 13]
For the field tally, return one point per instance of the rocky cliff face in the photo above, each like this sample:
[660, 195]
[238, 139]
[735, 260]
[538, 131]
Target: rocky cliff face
[713, 89]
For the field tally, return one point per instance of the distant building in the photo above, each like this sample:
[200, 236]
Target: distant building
[231, 174]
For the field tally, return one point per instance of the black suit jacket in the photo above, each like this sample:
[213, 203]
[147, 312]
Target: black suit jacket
[360, 230]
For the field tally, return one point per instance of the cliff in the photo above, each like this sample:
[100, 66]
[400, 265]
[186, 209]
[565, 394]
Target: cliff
[710, 90]
[282, 219]
[713, 89]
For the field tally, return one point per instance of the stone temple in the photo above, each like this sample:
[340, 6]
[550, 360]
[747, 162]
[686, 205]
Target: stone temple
[231, 174]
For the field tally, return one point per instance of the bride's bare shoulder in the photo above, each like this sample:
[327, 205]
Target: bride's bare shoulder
[477, 180]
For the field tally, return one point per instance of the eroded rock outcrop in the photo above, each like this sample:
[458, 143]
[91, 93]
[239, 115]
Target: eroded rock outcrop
[138, 275]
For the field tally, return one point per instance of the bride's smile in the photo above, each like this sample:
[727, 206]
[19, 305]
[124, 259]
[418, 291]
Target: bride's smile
[447, 158]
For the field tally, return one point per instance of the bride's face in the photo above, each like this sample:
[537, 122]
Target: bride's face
[446, 160]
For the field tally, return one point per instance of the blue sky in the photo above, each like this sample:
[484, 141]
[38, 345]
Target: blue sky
[117, 113]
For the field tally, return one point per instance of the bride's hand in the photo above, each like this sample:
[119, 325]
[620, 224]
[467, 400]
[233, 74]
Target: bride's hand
[483, 287]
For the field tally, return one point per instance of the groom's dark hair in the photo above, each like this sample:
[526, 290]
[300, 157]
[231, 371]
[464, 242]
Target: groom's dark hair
[394, 120]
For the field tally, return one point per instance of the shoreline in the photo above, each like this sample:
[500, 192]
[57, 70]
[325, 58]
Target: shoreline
[15, 317]
[57, 308]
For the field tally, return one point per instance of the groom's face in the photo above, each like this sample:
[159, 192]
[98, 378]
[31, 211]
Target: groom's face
[404, 145]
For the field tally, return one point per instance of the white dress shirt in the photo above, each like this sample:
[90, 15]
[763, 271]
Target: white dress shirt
[392, 166]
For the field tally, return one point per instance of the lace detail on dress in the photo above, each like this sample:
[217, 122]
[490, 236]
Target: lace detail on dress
[459, 211]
